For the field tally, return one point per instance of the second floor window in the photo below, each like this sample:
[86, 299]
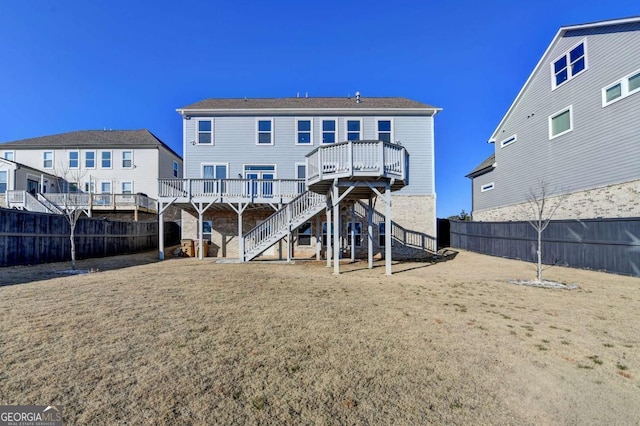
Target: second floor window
[105, 159]
[205, 131]
[560, 123]
[265, 132]
[47, 159]
[90, 159]
[8, 155]
[328, 131]
[74, 159]
[303, 130]
[353, 130]
[384, 130]
[127, 159]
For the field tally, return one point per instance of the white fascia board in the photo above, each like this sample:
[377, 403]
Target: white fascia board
[324, 111]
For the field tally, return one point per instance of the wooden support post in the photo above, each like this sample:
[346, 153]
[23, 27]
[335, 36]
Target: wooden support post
[370, 232]
[200, 250]
[240, 236]
[318, 237]
[387, 229]
[329, 227]
[352, 215]
[161, 232]
[336, 229]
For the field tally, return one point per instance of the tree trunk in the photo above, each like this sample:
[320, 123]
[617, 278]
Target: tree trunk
[540, 255]
[73, 246]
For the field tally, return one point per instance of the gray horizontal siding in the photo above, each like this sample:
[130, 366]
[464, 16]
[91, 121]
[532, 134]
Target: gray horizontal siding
[603, 146]
[235, 144]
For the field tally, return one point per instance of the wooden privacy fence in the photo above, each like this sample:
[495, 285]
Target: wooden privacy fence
[31, 238]
[611, 245]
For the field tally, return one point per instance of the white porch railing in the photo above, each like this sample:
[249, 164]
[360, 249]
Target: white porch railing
[25, 201]
[249, 190]
[283, 221]
[357, 158]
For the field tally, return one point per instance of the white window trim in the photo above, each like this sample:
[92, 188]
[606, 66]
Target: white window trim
[392, 137]
[13, 155]
[79, 160]
[346, 128]
[509, 141]
[487, 187]
[295, 169]
[8, 182]
[297, 131]
[53, 160]
[208, 163]
[624, 89]
[95, 159]
[102, 182]
[335, 132]
[132, 166]
[275, 169]
[258, 120]
[175, 169]
[554, 86]
[197, 141]
[552, 116]
[110, 160]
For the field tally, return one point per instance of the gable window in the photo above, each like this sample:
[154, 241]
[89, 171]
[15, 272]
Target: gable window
[47, 159]
[3, 181]
[384, 130]
[205, 132]
[105, 159]
[74, 159]
[176, 169]
[304, 234]
[508, 141]
[560, 123]
[303, 130]
[621, 89]
[328, 131]
[569, 65]
[487, 187]
[265, 132]
[353, 130]
[90, 159]
[127, 159]
[8, 155]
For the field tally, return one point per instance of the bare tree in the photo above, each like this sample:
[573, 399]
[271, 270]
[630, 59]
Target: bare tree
[71, 201]
[540, 208]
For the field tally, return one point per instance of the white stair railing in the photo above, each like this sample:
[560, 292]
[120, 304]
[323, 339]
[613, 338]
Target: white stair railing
[282, 222]
[52, 207]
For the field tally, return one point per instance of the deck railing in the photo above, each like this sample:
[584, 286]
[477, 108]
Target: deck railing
[359, 158]
[247, 189]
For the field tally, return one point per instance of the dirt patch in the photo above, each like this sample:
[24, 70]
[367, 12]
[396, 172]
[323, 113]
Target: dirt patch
[188, 341]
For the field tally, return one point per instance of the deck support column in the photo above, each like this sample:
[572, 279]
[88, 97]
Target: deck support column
[336, 229]
[160, 231]
[329, 228]
[387, 229]
[318, 237]
[289, 245]
[200, 240]
[240, 236]
[352, 214]
[370, 233]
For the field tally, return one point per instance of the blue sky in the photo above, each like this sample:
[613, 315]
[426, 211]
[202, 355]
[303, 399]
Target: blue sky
[76, 65]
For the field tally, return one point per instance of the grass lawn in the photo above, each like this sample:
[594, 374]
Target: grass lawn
[185, 341]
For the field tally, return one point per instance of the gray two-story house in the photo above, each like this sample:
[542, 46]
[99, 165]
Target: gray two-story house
[574, 125]
[246, 160]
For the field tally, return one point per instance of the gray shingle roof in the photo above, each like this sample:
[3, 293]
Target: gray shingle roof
[308, 103]
[484, 167]
[91, 139]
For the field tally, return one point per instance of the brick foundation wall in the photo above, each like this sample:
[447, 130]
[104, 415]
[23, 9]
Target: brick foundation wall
[612, 201]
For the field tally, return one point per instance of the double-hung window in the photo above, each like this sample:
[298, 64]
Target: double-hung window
[176, 169]
[621, 89]
[354, 130]
[264, 134]
[384, 130]
[304, 234]
[127, 188]
[8, 155]
[356, 227]
[74, 159]
[90, 159]
[105, 159]
[329, 131]
[105, 187]
[561, 122]
[47, 159]
[205, 131]
[127, 159]
[3, 181]
[569, 65]
[304, 132]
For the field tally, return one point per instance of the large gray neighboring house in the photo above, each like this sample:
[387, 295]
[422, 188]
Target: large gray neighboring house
[575, 125]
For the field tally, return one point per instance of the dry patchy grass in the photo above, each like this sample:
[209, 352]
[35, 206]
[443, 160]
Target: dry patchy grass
[193, 342]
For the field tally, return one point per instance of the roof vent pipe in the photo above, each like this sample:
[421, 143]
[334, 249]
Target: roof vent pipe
[357, 97]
